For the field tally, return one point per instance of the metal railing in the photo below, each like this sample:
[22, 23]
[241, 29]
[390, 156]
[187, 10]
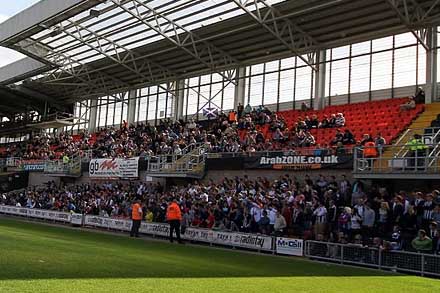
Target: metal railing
[191, 159]
[13, 161]
[358, 255]
[301, 151]
[390, 160]
[428, 135]
[59, 167]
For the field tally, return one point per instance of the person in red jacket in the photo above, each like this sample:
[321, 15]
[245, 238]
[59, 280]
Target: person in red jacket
[174, 216]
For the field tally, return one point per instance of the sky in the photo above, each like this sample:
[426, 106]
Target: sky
[6, 11]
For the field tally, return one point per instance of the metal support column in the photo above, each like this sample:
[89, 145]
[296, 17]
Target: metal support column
[93, 115]
[180, 97]
[319, 96]
[240, 87]
[131, 113]
[431, 66]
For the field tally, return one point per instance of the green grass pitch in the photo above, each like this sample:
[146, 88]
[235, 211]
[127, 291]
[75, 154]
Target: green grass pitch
[41, 258]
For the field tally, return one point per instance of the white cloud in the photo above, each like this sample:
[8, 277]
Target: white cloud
[8, 56]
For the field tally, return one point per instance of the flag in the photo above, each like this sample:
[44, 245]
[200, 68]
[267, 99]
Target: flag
[210, 113]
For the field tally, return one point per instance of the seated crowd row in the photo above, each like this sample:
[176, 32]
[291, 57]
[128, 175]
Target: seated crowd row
[245, 130]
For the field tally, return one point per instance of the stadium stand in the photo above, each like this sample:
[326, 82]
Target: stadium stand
[372, 118]
[327, 209]
[310, 121]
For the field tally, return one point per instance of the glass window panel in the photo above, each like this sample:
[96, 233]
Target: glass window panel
[152, 107]
[286, 85]
[405, 67]
[272, 66]
[405, 39]
[271, 88]
[341, 52]
[360, 48]
[303, 83]
[382, 44]
[381, 71]
[360, 74]
[339, 82]
[256, 90]
[288, 63]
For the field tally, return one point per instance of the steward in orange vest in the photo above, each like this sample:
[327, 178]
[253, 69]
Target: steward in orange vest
[136, 218]
[370, 150]
[174, 216]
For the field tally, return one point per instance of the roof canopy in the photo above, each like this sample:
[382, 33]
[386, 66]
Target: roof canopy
[85, 49]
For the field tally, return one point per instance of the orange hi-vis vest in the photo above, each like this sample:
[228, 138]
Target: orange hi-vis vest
[173, 212]
[232, 116]
[370, 150]
[135, 213]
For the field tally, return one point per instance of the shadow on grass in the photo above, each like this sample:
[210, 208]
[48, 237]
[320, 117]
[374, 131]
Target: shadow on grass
[30, 251]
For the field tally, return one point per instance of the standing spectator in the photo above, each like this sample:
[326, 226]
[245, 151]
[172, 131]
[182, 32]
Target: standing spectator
[422, 243]
[356, 223]
[240, 110]
[434, 235]
[280, 224]
[264, 224]
[418, 208]
[428, 208]
[436, 215]
[174, 216]
[320, 215]
[368, 221]
[419, 97]
[380, 142]
[417, 152]
[136, 218]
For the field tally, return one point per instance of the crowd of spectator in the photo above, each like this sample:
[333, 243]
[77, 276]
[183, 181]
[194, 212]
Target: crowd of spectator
[325, 209]
[237, 131]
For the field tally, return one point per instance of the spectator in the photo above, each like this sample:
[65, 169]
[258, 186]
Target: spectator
[380, 142]
[324, 122]
[264, 224]
[419, 97]
[410, 105]
[340, 120]
[332, 121]
[422, 243]
[339, 137]
[348, 138]
[280, 224]
[304, 107]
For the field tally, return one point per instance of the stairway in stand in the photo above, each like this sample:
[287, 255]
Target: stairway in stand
[424, 119]
[417, 126]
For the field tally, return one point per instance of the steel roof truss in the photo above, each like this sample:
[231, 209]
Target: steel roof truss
[205, 52]
[272, 21]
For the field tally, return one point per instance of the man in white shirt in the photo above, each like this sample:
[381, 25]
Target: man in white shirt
[320, 214]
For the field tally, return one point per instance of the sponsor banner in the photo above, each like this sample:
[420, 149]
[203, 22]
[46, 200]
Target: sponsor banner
[120, 224]
[223, 238]
[107, 223]
[27, 165]
[279, 161]
[76, 219]
[114, 168]
[252, 241]
[290, 246]
[202, 235]
[34, 213]
[155, 229]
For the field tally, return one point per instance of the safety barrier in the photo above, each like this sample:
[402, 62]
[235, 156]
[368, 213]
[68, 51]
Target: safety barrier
[358, 255]
[349, 254]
